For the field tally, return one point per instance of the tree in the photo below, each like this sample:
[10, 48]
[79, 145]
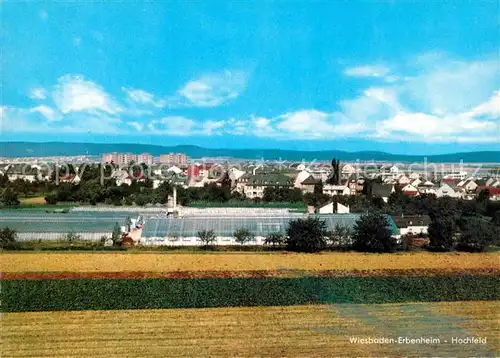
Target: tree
[495, 220]
[207, 237]
[483, 195]
[306, 235]
[128, 223]
[7, 238]
[441, 232]
[116, 235]
[476, 235]
[275, 239]
[9, 198]
[242, 236]
[372, 234]
[341, 236]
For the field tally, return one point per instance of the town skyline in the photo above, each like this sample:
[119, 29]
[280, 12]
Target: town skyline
[265, 76]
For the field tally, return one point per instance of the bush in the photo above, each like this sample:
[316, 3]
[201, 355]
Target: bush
[207, 237]
[72, 237]
[477, 235]
[275, 239]
[8, 238]
[372, 234]
[306, 235]
[242, 236]
[51, 199]
[341, 237]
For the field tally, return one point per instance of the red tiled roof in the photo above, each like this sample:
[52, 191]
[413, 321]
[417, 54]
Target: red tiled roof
[493, 191]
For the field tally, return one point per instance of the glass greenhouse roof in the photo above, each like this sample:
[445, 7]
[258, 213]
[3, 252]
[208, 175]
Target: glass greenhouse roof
[157, 226]
[80, 222]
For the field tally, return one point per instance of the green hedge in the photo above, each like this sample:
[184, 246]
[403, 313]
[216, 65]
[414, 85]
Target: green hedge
[100, 294]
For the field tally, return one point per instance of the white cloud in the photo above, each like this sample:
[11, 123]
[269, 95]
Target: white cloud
[311, 124]
[172, 125]
[142, 97]
[450, 86]
[367, 71]
[49, 113]
[37, 93]
[488, 109]
[212, 90]
[212, 127]
[75, 94]
[136, 125]
[77, 41]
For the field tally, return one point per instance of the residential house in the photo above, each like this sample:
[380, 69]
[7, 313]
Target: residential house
[447, 190]
[300, 177]
[175, 170]
[410, 190]
[427, 187]
[413, 224]
[348, 170]
[307, 185]
[414, 176]
[332, 208]
[416, 182]
[382, 191]
[403, 180]
[255, 184]
[336, 190]
[494, 193]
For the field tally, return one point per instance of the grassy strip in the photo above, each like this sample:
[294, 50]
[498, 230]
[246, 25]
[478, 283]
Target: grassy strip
[103, 294]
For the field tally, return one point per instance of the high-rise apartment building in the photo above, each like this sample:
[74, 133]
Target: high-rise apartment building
[127, 158]
[174, 158]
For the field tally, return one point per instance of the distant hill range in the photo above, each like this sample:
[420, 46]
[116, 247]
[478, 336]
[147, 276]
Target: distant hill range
[28, 149]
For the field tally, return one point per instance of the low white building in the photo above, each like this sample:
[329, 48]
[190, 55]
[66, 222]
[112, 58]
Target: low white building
[413, 224]
[336, 190]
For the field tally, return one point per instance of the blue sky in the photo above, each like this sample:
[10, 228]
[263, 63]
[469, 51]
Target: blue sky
[403, 77]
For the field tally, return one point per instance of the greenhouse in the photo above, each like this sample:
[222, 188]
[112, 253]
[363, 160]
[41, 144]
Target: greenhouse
[163, 229]
[39, 225]
[184, 230]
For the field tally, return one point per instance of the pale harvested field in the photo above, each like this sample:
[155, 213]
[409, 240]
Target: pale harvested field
[171, 262]
[33, 200]
[298, 331]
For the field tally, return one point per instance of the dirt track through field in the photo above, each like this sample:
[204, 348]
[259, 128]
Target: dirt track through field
[243, 274]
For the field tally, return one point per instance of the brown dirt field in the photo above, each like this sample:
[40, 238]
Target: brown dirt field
[296, 331]
[175, 262]
[241, 274]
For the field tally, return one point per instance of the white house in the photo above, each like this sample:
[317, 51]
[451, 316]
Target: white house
[348, 169]
[413, 224]
[301, 176]
[470, 186]
[175, 170]
[414, 176]
[394, 170]
[446, 190]
[336, 190]
[301, 167]
[416, 182]
[329, 209]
